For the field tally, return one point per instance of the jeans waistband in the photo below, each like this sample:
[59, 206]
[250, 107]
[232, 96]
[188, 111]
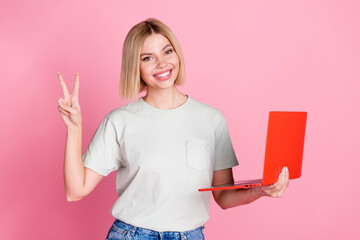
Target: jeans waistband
[133, 229]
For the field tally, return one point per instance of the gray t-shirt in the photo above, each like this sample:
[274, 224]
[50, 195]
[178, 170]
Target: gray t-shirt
[162, 157]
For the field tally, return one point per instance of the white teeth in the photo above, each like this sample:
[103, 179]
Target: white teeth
[163, 75]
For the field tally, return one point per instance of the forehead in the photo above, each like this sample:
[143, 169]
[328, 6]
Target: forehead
[154, 43]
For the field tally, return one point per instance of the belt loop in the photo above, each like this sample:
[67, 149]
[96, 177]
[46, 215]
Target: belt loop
[182, 236]
[133, 230]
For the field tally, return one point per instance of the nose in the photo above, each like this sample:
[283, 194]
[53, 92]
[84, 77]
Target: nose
[161, 62]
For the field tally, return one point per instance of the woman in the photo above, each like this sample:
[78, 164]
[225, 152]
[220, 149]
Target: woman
[164, 146]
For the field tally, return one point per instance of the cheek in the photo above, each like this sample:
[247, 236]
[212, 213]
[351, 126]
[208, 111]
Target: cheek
[176, 63]
[176, 60]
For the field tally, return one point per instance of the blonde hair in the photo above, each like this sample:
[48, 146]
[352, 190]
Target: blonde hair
[131, 83]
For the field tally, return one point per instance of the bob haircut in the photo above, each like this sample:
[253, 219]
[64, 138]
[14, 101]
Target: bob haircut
[131, 83]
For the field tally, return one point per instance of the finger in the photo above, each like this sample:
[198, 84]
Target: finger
[280, 174]
[63, 111]
[279, 184]
[65, 119]
[63, 115]
[280, 178]
[69, 109]
[287, 180]
[63, 87]
[62, 101]
[287, 173]
[74, 102]
[285, 183]
[76, 85]
[283, 177]
[281, 192]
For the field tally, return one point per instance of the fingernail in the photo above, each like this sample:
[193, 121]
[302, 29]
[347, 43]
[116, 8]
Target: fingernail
[77, 73]
[60, 101]
[287, 169]
[58, 73]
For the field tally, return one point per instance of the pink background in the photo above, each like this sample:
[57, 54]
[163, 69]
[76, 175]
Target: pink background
[243, 57]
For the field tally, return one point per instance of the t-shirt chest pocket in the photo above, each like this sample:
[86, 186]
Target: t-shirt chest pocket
[198, 154]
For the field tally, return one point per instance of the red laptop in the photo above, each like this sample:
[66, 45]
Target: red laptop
[284, 148]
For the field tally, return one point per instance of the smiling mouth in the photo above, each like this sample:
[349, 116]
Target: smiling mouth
[162, 75]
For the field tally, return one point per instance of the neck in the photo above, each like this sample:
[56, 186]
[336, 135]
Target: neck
[165, 98]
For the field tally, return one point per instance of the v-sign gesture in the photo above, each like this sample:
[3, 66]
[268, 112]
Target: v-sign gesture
[69, 106]
[79, 181]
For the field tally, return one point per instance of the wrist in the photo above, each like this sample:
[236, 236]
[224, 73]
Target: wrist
[75, 129]
[259, 192]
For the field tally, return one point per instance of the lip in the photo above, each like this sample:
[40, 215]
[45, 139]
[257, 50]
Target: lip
[163, 78]
[159, 73]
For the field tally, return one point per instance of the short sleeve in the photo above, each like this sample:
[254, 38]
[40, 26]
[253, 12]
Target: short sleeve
[224, 153]
[103, 153]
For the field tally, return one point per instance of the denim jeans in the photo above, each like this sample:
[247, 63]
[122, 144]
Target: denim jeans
[123, 231]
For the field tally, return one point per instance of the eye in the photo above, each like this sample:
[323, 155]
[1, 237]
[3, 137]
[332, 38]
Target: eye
[146, 58]
[169, 51]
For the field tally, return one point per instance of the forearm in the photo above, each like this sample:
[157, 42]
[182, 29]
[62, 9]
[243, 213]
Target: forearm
[236, 197]
[73, 164]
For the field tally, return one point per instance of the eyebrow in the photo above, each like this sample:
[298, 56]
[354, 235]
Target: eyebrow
[161, 50]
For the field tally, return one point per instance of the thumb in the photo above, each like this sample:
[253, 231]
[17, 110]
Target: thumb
[65, 119]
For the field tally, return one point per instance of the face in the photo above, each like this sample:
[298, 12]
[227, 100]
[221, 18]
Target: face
[159, 63]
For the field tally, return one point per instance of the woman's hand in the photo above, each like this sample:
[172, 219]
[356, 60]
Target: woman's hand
[277, 189]
[69, 106]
